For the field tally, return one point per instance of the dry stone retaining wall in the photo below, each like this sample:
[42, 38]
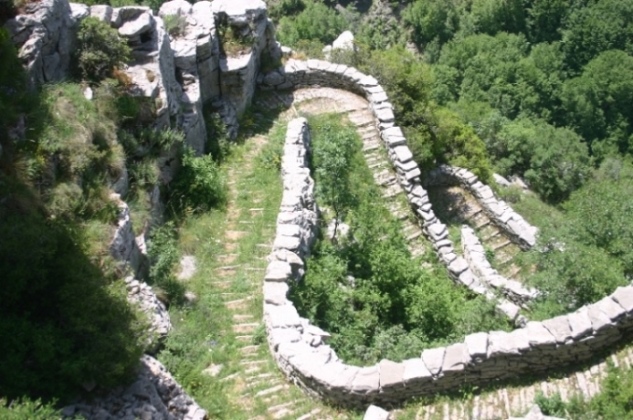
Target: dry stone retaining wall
[300, 348]
[297, 74]
[475, 254]
[511, 222]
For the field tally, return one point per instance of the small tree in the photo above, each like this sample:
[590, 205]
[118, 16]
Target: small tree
[99, 49]
[332, 159]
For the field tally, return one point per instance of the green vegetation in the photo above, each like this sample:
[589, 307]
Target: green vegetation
[64, 316]
[175, 25]
[199, 184]
[613, 402]
[100, 49]
[314, 21]
[364, 288]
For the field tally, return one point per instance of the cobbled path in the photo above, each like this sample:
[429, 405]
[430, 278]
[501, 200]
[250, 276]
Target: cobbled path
[260, 381]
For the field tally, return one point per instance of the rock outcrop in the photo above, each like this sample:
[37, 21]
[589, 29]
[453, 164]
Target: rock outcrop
[141, 294]
[44, 37]
[153, 395]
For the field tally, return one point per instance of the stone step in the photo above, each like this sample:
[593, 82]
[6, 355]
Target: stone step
[281, 410]
[311, 415]
[414, 235]
[400, 214]
[481, 225]
[501, 245]
[250, 349]
[376, 165]
[244, 338]
[271, 390]
[259, 377]
[417, 251]
[392, 191]
[242, 317]
[490, 236]
[238, 303]
[246, 327]
[368, 147]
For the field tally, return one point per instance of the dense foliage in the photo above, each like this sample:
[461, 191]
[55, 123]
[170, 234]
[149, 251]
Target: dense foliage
[64, 319]
[613, 401]
[100, 49]
[365, 288]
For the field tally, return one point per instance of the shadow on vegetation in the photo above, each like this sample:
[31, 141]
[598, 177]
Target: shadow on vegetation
[65, 325]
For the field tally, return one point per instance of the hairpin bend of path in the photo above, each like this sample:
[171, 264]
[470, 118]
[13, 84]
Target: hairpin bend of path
[258, 384]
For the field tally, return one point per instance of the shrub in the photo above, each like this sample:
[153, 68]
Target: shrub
[175, 25]
[64, 324]
[27, 409]
[316, 22]
[99, 49]
[199, 184]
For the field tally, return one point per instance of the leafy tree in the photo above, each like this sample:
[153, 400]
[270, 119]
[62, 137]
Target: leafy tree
[554, 160]
[598, 103]
[332, 159]
[545, 19]
[99, 49]
[315, 22]
[574, 275]
[602, 25]
[493, 16]
[601, 213]
[432, 20]
[457, 143]
[485, 68]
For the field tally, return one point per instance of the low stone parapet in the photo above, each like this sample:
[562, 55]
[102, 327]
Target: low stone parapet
[511, 222]
[301, 349]
[475, 255]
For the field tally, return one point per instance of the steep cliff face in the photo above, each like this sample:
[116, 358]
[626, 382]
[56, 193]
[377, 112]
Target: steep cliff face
[194, 66]
[44, 36]
[207, 58]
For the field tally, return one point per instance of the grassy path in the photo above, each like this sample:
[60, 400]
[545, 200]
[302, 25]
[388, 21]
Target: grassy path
[218, 349]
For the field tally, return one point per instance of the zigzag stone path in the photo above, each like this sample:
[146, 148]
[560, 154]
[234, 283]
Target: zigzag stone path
[328, 100]
[454, 205]
[506, 401]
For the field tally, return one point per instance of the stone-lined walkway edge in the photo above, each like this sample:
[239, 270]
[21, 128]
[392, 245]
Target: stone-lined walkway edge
[299, 347]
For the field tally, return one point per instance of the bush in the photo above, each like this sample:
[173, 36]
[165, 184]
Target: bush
[175, 25]
[63, 322]
[199, 184]
[27, 409]
[99, 49]
[316, 22]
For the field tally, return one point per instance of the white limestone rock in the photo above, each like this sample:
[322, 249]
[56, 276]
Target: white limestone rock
[155, 394]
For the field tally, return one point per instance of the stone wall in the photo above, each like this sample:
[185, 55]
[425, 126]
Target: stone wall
[475, 255]
[511, 222]
[301, 350]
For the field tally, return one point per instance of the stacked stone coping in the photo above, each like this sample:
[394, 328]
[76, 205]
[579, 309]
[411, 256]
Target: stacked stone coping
[474, 252]
[511, 222]
[297, 74]
[300, 349]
